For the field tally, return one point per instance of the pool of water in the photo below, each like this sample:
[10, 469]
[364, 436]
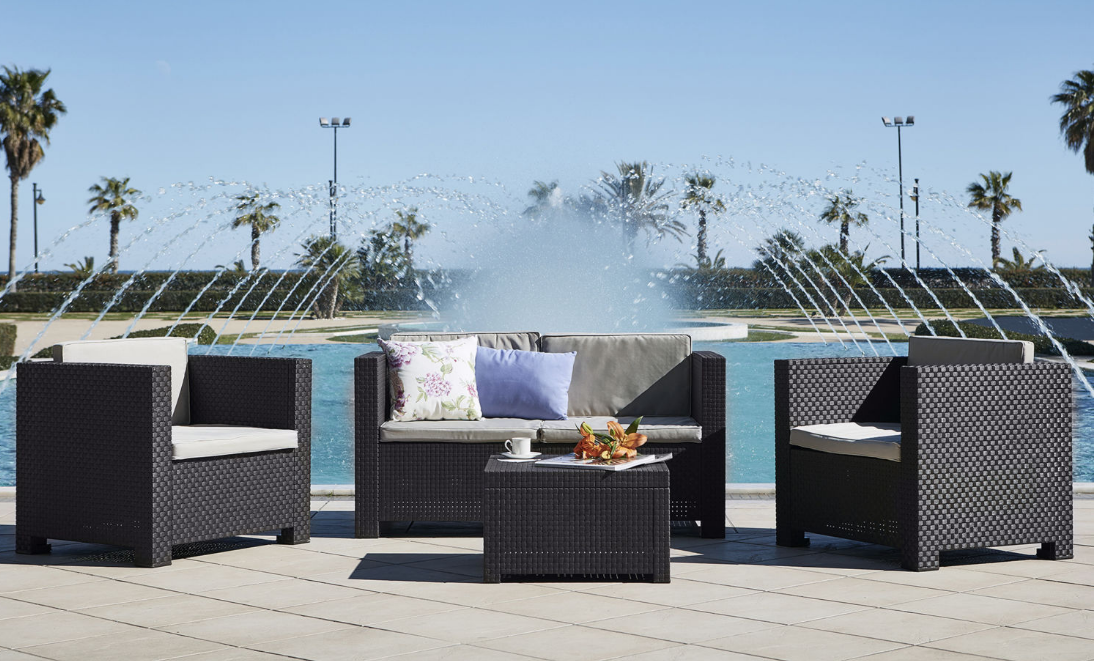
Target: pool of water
[749, 399]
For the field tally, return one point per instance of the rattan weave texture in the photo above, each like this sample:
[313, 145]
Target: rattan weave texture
[986, 456]
[571, 522]
[94, 455]
[444, 481]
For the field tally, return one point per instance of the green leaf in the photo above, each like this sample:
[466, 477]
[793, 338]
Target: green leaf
[446, 368]
[633, 427]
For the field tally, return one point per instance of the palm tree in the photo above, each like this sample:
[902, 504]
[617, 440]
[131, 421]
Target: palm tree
[84, 269]
[1019, 265]
[1077, 122]
[259, 216]
[382, 259]
[698, 196]
[991, 195]
[839, 266]
[336, 264]
[841, 209]
[114, 196]
[633, 198]
[544, 196]
[27, 114]
[409, 229]
[780, 251]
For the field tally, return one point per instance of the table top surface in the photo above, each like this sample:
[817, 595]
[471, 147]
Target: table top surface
[526, 473]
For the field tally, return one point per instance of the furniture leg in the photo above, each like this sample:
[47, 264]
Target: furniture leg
[30, 545]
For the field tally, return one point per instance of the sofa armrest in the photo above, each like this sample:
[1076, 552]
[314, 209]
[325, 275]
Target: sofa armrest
[93, 442]
[369, 412]
[273, 393]
[980, 442]
[708, 407]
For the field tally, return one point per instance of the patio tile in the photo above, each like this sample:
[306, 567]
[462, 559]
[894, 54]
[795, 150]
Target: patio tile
[576, 643]
[458, 653]
[14, 578]
[289, 561]
[253, 627]
[980, 608]
[692, 653]
[1068, 595]
[1024, 567]
[919, 654]
[776, 607]
[897, 626]
[682, 626]
[680, 592]
[745, 553]
[466, 564]
[12, 655]
[1075, 573]
[54, 627]
[859, 591]
[801, 644]
[233, 654]
[125, 569]
[836, 563]
[758, 577]
[573, 607]
[388, 578]
[167, 611]
[86, 595]
[1074, 623]
[1019, 645]
[279, 595]
[372, 608]
[952, 579]
[468, 625]
[137, 645]
[353, 644]
[12, 608]
[470, 593]
[202, 578]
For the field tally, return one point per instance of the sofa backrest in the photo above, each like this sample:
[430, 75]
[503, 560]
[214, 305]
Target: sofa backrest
[521, 341]
[966, 351]
[627, 374]
[138, 351]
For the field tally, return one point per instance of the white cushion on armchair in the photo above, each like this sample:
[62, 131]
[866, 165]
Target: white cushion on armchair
[169, 351]
[195, 441]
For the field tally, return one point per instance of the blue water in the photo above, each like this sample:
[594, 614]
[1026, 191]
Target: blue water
[749, 399]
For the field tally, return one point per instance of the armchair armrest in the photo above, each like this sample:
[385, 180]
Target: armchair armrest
[273, 393]
[708, 407]
[813, 391]
[369, 412]
[986, 455]
[93, 448]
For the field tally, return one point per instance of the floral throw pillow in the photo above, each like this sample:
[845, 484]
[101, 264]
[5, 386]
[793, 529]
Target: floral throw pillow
[433, 380]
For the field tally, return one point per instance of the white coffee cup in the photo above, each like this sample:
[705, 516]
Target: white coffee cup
[519, 447]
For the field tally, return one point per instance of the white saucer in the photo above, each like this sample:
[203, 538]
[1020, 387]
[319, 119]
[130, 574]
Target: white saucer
[510, 455]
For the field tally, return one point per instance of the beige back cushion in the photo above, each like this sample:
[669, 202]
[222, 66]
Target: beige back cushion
[627, 374]
[138, 351]
[964, 351]
[521, 341]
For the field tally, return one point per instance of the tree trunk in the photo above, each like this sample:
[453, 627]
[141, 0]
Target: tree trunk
[1092, 257]
[701, 236]
[254, 247]
[844, 232]
[115, 223]
[995, 250]
[332, 303]
[14, 228]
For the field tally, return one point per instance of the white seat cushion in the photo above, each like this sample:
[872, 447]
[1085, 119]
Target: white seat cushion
[880, 440]
[169, 351]
[485, 430]
[658, 429]
[193, 441]
[924, 350]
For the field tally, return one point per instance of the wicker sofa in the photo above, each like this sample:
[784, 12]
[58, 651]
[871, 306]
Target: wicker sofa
[433, 470]
[964, 444]
[134, 443]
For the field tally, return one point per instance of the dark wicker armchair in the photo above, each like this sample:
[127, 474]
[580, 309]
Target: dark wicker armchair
[981, 456]
[96, 462]
[443, 481]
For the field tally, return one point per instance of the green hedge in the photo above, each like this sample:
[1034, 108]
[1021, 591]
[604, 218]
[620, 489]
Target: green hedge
[1042, 344]
[7, 339]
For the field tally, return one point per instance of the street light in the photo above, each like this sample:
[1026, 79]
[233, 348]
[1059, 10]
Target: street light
[899, 123]
[38, 199]
[915, 196]
[334, 123]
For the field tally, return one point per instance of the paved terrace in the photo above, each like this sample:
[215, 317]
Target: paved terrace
[416, 594]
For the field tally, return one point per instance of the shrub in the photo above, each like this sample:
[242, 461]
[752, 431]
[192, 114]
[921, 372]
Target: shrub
[7, 339]
[205, 336]
[1041, 344]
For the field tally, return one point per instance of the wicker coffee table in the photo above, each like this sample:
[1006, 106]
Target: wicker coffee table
[564, 522]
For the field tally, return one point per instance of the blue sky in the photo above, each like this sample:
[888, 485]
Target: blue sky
[513, 91]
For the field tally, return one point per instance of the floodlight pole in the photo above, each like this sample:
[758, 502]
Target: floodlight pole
[899, 123]
[334, 123]
[36, 199]
[916, 189]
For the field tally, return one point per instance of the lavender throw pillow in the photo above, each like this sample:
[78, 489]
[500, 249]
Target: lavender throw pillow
[524, 384]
